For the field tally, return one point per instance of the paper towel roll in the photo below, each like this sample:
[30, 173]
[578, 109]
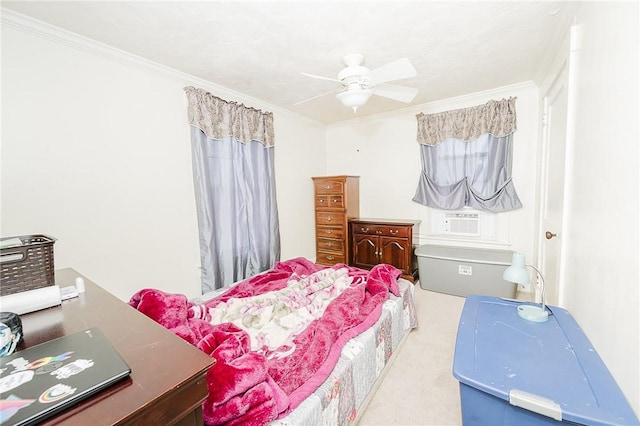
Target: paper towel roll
[32, 300]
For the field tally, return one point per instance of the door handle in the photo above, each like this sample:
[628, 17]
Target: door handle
[549, 235]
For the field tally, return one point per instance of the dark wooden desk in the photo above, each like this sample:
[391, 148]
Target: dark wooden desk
[167, 383]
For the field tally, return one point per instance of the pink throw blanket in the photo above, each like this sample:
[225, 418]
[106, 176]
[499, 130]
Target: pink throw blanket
[249, 388]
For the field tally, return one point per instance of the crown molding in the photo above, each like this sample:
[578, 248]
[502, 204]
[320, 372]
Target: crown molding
[87, 45]
[463, 101]
[67, 38]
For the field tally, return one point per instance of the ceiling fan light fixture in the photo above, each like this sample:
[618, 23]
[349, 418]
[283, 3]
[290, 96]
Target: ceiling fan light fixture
[354, 98]
[359, 83]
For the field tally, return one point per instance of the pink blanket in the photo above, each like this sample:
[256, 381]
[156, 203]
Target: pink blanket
[247, 388]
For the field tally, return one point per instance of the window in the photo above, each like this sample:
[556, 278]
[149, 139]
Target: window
[234, 179]
[466, 158]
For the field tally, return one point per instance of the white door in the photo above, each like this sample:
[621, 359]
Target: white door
[553, 171]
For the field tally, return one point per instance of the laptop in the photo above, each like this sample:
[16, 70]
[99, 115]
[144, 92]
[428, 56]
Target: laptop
[43, 380]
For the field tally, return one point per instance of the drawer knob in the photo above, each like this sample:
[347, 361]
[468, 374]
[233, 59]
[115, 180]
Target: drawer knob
[327, 187]
[329, 217]
[329, 257]
[329, 231]
[335, 201]
[321, 200]
[378, 232]
[364, 229]
[393, 231]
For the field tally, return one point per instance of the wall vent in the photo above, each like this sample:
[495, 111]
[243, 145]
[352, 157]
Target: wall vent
[467, 224]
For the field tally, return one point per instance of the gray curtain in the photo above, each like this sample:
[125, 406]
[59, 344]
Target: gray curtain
[459, 174]
[235, 190]
[472, 172]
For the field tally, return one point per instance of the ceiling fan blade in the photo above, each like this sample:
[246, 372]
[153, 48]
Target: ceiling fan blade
[320, 77]
[397, 93]
[396, 70]
[315, 97]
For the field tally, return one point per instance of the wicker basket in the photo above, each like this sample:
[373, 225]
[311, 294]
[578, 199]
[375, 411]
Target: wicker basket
[26, 266]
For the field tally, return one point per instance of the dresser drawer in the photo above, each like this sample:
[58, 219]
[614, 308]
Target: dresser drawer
[329, 201]
[330, 258]
[328, 186]
[329, 218]
[331, 244]
[382, 230]
[330, 232]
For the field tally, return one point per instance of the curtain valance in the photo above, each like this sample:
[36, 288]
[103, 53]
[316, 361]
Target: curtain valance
[497, 118]
[219, 119]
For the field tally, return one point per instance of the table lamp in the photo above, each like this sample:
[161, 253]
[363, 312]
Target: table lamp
[517, 273]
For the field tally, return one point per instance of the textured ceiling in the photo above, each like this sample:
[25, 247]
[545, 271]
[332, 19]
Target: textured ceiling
[259, 48]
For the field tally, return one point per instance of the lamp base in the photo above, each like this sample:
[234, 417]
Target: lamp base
[533, 313]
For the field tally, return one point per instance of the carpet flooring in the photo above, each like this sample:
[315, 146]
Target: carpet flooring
[419, 388]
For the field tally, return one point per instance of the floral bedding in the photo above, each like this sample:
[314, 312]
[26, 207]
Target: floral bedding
[342, 397]
[277, 336]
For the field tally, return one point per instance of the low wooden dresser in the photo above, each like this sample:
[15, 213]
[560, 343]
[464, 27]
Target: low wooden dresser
[167, 384]
[337, 199]
[375, 241]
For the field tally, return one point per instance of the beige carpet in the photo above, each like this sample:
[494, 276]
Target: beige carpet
[419, 388]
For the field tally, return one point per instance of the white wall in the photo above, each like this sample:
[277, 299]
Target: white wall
[96, 152]
[602, 233]
[300, 154]
[383, 151]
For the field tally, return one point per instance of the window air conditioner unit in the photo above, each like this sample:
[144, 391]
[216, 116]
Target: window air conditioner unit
[467, 224]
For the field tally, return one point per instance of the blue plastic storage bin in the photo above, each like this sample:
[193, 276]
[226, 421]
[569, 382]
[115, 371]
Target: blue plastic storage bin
[517, 372]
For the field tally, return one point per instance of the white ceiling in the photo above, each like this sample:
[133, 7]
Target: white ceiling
[259, 48]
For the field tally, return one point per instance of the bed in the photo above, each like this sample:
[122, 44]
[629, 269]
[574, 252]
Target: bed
[298, 344]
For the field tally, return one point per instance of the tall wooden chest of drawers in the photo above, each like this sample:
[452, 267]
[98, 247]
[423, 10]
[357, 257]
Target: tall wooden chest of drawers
[337, 199]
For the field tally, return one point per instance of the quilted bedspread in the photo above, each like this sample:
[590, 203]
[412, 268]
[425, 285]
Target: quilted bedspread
[275, 336]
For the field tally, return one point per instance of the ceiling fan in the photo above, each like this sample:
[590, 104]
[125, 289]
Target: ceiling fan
[359, 83]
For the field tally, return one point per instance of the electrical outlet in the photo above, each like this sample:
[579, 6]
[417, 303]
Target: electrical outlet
[465, 270]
